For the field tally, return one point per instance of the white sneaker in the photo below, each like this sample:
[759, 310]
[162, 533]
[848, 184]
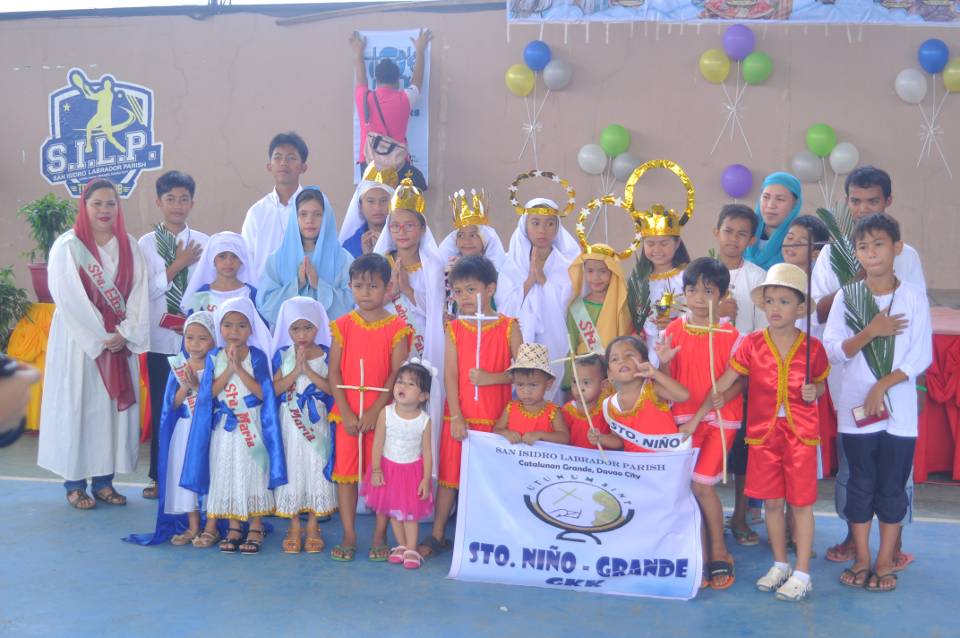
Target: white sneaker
[773, 579]
[793, 590]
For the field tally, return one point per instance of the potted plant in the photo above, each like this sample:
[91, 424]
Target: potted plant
[47, 217]
[14, 304]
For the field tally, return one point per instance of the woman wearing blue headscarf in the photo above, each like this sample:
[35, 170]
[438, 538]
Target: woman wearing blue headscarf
[780, 200]
[310, 261]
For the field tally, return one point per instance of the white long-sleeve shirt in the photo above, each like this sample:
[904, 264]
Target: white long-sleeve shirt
[912, 355]
[263, 229]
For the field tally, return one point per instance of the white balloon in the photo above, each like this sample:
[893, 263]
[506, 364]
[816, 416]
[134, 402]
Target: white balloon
[911, 86]
[592, 159]
[623, 165]
[557, 74]
[806, 167]
[844, 158]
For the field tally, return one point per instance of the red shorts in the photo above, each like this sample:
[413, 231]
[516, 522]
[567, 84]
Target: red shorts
[782, 467]
[449, 468]
[709, 467]
[346, 455]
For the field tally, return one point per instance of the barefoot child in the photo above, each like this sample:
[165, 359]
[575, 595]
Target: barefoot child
[686, 354]
[397, 482]
[372, 340]
[782, 423]
[235, 451]
[309, 262]
[639, 407]
[530, 417]
[221, 274]
[583, 412]
[476, 395]
[300, 348]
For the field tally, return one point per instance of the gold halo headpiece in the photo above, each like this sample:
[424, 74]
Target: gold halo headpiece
[470, 210]
[659, 221]
[386, 176]
[542, 210]
[604, 249]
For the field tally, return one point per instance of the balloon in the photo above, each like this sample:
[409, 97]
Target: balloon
[592, 159]
[536, 54]
[624, 164]
[520, 80]
[951, 75]
[806, 166]
[757, 67]
[911, 86]
[844, 158]
[614, 139]
[738, 41]
[714, 66]
[933, 55]
[821, 139]
[737, 180]
[557, 74]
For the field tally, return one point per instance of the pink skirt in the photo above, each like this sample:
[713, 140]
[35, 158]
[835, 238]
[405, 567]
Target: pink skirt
[397, 497]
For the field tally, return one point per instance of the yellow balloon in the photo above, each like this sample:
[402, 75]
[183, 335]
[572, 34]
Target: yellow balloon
[714, 65]
[520, 80]
[951, 75]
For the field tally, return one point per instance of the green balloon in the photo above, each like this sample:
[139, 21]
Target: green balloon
[757, 67]
[821, 139]
[614, 140]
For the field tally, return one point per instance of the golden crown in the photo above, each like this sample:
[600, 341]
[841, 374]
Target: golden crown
[386, 176]
[469, 211]
[660, 221]
[407, 197]
[542, 210]
[600, 248]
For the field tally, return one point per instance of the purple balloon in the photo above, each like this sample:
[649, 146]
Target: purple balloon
[738, 42]
[737, 180]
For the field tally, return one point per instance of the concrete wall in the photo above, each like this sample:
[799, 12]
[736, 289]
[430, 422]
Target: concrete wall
[225, 85]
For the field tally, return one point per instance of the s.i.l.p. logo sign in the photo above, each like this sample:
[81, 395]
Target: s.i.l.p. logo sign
[99, 128]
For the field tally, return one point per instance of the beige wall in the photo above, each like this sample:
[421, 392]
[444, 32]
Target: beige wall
[225, 85]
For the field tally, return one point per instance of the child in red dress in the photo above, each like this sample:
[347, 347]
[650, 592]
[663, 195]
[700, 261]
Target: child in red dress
[531, 418]
[586, 414]
[378, 341]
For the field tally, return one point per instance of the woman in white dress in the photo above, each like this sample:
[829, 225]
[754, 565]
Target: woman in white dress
[89, 418]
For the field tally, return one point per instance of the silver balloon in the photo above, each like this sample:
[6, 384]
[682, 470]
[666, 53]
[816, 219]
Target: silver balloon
[806, 167]
[623, 165]
[592, 159]
[844, 158]
[911, 86]
[557, 74]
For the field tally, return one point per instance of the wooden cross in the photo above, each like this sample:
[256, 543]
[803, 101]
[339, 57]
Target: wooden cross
[479, 317]
[713, 379]
[576, 381]
[361, 389]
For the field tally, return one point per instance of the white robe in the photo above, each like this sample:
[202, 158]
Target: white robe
[81, 433]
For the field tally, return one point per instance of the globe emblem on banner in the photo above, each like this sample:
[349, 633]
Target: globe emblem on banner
[577, 507]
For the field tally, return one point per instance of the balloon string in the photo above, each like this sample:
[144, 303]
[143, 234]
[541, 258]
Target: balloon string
[822, 182]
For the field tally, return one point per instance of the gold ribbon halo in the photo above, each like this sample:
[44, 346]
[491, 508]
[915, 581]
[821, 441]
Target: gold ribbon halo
[604, 249]
[521, 210]
[674, 168]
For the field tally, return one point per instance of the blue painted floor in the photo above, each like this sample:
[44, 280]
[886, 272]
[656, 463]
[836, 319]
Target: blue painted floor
[66, 573]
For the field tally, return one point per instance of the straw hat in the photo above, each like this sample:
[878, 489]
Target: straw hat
[532, 356]
[786, 275]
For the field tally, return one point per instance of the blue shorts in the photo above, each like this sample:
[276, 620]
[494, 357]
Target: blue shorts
[880, 465]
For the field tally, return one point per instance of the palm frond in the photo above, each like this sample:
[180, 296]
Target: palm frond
[167, 249]
[843, 260]
[860, 307]
[638, 293]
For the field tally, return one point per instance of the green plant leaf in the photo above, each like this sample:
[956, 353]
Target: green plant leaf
[14, 304]
[47, 218]
[638, 293]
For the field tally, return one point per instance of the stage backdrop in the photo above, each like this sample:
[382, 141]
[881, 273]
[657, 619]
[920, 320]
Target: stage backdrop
[568, 518]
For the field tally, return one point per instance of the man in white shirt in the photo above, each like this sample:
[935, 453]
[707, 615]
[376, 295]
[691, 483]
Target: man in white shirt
[868, 190]
[266, 221]
[169, 251]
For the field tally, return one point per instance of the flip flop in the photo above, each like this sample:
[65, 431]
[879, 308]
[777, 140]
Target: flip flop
[745, 538]
[901, 560]
[877, 589]
[435, 547]
[343, 553]
[841, 553]
[856, 576]
[314, 545]
[378, 553]
[719, 568]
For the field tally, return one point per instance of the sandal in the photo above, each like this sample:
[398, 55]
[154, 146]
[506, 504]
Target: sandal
[378, 553]
[292, 543]
[314, 544]
[412, 560]
[80, 500]
[250, 546]
[901, 560]
[430, 546]
[773, 579]
[231, 545]
[185, 538]
[720, 568]
[842, 552]
[876, 586]
[110, 496]
[205, 540]
[152, 491]
[343, 553]
[853, 578]
[793, 590]
[396, 555]
[745, 537]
